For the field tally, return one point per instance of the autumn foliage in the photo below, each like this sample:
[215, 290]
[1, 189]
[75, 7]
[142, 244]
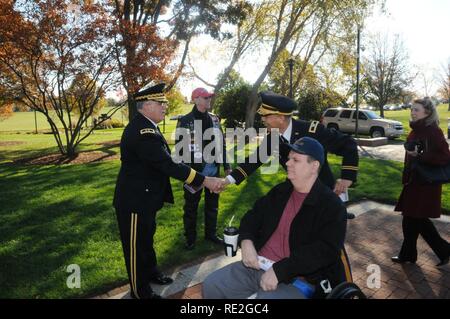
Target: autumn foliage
[46, 46]
[141, 51]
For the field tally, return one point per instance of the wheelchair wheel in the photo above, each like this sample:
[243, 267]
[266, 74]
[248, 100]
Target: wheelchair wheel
[346, 290]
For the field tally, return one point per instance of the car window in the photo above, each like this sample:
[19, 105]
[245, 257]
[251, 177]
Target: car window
[345, 114]
[330, 113]
[361, 115]
[372, 115]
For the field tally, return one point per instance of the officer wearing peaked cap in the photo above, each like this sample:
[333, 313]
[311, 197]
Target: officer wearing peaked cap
[276, 112]
[143, 186]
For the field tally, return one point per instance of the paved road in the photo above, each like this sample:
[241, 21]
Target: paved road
[393, 151]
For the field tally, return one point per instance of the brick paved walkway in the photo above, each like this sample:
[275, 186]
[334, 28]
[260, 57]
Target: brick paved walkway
[372, 238]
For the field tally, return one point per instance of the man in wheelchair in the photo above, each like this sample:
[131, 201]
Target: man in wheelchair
[292, 239]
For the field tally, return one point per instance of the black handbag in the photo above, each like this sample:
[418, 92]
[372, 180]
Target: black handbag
[432, 174]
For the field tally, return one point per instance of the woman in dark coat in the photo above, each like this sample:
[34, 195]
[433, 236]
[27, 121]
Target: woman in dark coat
[419, 201]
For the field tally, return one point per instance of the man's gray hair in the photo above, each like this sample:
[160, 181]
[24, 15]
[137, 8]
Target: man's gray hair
[140, 105]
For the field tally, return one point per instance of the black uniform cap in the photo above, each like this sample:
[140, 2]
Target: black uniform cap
[273, 103]
[153, 93]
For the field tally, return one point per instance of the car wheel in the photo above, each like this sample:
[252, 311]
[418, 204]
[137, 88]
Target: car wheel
[377, 132]
[332, 125]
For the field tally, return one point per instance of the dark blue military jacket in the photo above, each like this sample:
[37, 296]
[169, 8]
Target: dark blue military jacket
[332, 141]
[143, 183]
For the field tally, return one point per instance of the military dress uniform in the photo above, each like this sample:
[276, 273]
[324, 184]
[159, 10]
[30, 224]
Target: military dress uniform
[332, 141]
[191, 200]
[142, 187]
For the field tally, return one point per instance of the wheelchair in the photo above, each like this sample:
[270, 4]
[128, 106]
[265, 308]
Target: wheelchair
[346, 290]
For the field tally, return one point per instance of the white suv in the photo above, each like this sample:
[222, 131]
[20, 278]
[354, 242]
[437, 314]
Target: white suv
[369, 122]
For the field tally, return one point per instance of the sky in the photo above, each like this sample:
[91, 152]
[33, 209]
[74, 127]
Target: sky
[422, 25]
[424, 28]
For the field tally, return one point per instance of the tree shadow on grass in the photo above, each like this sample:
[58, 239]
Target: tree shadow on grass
[8, 154]
[50, 217]
[41, 243]
[56, 215]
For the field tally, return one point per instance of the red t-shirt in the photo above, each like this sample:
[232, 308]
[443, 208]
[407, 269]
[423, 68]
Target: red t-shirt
[277, 247]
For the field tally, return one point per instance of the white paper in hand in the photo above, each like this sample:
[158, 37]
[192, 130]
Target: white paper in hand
[264, 263]
[192, 189]
[344, 196]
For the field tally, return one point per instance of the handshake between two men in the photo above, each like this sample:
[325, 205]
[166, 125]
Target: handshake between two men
[215, 184]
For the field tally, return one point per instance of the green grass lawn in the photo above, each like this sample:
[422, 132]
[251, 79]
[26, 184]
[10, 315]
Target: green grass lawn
[26, 121]
[403, 116]
[23, 143]
[54, 216]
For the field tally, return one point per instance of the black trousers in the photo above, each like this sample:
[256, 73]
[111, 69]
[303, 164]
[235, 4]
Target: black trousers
[136, 233]
[412, 228]
[190, 207]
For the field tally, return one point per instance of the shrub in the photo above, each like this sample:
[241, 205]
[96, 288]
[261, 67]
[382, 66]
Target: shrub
[314, 102]
[112, 123]
[231, 103]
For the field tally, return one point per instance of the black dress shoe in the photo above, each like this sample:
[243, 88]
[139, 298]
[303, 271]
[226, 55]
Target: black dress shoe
[443, 262]
[350, 216]
[161, 279]
[155, 296]
[400, 260]
[215, 239]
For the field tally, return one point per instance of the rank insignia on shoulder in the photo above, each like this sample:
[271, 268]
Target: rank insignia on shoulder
[313, 126]
[147, 130]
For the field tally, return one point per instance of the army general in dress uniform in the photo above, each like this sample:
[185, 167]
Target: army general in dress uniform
[276, 112]
[143, 186]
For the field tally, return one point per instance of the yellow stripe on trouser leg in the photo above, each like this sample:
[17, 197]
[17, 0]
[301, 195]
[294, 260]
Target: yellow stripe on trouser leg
[352, 168]
[133, 253]
[348, 274]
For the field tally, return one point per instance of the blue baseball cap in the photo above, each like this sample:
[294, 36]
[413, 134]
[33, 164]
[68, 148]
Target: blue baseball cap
[309, 146]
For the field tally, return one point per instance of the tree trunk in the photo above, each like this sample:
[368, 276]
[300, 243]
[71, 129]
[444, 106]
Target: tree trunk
[381, 111]
[131, 107]
[70, 150]
[251, 108]
[253, 100]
